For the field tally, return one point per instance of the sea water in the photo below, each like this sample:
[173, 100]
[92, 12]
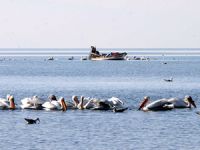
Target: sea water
[85, 129]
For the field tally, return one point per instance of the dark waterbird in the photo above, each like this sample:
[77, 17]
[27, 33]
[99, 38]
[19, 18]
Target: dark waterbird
[169, 80]
[198, 113]
[32, 121]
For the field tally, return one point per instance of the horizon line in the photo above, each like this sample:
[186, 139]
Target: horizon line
[98, 48]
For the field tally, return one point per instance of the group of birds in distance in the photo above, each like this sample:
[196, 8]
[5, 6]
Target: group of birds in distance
[112, 104]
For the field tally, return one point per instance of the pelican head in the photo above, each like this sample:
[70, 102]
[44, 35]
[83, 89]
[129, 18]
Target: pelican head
[144, 102]
[12, 103]
[35, 96]
[63, 104]
[75, 100]
[190, 101]
[80, 105]
[7, 96]
[37, 119]
[52, 98]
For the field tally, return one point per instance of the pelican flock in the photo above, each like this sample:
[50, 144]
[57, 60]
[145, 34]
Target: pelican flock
[112, 104]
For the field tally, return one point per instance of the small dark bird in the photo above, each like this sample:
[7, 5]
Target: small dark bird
[119, 109]
[32, 121]
[164, 63]
[198, 112]
[169, 80]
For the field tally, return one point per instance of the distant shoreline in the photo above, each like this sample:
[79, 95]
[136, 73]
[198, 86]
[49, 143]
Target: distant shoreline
[85, 51]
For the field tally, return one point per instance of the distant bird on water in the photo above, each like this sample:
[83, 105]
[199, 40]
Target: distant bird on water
[198, 112]
[169, 80]
[32, 121]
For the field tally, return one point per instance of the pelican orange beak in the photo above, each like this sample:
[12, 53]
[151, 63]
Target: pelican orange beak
[63, 104]
[12, 103]
[82, 98]
[144, 102]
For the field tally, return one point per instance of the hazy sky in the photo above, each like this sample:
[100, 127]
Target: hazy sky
[104, 23]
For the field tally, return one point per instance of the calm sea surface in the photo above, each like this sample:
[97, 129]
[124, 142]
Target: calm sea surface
[75, 129]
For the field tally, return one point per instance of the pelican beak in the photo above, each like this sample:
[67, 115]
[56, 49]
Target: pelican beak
[82, 98]
[143, 103]
[193, 104]
[12, 103]
[64, 106]
[190, 100]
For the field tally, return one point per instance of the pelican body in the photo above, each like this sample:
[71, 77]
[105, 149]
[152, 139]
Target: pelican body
[55, 105]
[167, 104]
[32, 103]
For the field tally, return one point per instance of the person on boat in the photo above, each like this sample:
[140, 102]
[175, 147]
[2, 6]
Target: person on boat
[94, 50]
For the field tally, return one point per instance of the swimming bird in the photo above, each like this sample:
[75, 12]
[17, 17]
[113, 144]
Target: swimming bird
[167, 104]
[158, 105]
[198, 112]
[7, 103]
[78, 104]
[168, 80]
[32, 121]
[99, 104]
[55, 105]
[32, 103]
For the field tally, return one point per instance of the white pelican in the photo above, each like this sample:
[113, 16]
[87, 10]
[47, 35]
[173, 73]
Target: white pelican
[157, 105]
[112, 103]
[32, 103]
[7, 104]
[55, 105]
[167, 104]
[78, 104]
[98, 104]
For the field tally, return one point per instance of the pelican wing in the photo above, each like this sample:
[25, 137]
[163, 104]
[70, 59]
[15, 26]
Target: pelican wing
[49, 106]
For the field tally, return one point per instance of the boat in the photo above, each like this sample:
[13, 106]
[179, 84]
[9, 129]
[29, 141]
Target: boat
[96, 55]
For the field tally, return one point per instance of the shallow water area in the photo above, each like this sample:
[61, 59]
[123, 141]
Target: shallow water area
[75, 129]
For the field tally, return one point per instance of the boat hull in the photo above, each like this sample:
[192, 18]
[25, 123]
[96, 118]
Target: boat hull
[108, 58]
